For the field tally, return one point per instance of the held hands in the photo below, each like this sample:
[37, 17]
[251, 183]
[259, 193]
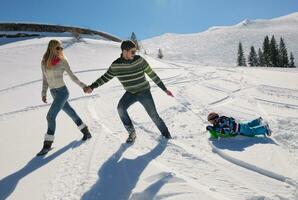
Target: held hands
[169, 93]
[87, 89]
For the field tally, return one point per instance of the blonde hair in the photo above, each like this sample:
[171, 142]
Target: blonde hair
[49, 55]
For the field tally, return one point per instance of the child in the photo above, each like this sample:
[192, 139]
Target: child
[223, 126]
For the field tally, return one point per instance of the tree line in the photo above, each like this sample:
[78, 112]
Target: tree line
[271, 55]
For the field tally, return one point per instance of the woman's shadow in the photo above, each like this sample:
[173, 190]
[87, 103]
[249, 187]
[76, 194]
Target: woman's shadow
[9, 183]
[118, 177]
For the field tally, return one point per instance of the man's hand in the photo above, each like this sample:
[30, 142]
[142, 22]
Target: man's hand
[169, 93]
[44, 99]
[87, 89]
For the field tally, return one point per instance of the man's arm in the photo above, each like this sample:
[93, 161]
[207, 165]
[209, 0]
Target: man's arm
[103, 79]
[148, 70]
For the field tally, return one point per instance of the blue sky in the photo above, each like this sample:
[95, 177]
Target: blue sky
[147, 18]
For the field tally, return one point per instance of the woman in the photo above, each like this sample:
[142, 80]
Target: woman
[53, 66]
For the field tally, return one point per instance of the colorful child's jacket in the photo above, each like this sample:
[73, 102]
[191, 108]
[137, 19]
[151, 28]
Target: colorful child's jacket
[226, 127]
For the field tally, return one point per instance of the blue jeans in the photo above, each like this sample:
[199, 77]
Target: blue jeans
[252, 128]
[145, 98]
[60, 96]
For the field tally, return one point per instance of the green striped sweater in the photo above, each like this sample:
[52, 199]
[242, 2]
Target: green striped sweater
[131, 74]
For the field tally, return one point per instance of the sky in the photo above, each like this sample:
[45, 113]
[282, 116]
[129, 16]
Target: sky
[147, 18]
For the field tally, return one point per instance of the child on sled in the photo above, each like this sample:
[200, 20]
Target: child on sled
[223, 126]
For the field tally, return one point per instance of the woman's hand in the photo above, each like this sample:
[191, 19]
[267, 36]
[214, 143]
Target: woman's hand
[169, 93]
[44, 99]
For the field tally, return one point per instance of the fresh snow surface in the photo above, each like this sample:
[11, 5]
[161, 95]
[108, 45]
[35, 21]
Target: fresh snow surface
[219, 45]
[187, 167]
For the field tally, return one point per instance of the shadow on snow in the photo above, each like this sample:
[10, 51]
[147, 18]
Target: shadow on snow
[239, 143]
[118, 177]
[9, 183]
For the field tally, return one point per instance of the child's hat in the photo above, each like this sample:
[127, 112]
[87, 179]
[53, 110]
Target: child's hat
[212, 116]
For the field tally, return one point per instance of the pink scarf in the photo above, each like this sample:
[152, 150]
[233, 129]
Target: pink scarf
[55, 61]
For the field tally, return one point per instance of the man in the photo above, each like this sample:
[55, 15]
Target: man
[130, 69]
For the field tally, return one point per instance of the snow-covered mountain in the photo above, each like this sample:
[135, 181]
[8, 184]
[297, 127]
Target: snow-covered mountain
[187, 167]
[218, 45]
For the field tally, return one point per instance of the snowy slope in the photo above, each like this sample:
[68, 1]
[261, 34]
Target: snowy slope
[184, 168]
[218, 45]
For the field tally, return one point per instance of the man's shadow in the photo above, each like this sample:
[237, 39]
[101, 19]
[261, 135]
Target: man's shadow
[239, 143]
[151, 191]
[9, 183]
[117, 178]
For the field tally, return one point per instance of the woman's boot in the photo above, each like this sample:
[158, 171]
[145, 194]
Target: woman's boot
[47, 146]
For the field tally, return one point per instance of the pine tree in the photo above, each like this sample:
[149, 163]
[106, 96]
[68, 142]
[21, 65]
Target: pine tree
[274, 55]
[261, 61]
[292, 60]
[241, 59]
[133, 38]
[266, 51]
[283, 54]
[253, 57]
[160, 54]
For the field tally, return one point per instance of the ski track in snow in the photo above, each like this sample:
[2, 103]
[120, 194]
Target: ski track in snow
[165, 167]
[234, 160]
[39, 80]
[248, 165]
[192, 155]
[72, 179]
[24, 110]
[203, 162]
[78, 169]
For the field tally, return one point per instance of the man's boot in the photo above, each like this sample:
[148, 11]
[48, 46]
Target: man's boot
[167, 135]
[86, 133]
[131, 138]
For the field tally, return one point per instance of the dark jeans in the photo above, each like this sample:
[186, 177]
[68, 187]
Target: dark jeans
[60, 96]
[146, 100]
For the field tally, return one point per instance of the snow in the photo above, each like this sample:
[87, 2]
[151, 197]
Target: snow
[218, 45]
[190, 166]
